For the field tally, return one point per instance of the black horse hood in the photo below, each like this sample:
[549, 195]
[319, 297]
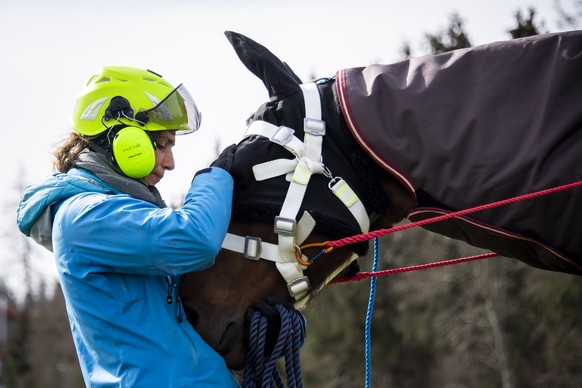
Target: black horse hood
[262, 200]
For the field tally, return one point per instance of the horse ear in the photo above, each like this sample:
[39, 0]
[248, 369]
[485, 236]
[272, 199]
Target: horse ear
[276, 75]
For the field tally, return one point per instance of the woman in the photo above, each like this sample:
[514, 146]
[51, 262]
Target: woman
[120, 252]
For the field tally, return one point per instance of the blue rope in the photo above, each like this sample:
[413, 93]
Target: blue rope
[368, 333]
[262, 372]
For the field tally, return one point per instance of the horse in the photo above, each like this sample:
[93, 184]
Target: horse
[373, 146]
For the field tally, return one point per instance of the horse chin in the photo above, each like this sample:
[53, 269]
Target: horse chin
[232, 347]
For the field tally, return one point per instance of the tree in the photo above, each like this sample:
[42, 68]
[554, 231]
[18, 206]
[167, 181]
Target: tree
[525, 27]
[454, 37]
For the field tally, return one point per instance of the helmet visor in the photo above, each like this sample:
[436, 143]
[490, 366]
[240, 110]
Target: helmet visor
[177, 112]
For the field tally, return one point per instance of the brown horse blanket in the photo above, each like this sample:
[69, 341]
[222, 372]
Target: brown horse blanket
[479, 125]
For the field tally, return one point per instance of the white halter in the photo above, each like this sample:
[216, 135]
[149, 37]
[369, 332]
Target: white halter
[308, 161]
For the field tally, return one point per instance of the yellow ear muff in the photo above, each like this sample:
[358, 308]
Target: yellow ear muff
[134, 152]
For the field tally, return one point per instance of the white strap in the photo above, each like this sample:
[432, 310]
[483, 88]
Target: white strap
[309, 162]
[297, 284]
[313, 127]
[349, 198]
[304, 227]
[283, 136]
[295, 193]
[273, 168]
[312, 101]
[254, 248]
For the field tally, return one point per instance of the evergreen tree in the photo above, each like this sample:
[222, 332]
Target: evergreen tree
[453, 38]
[525, 27]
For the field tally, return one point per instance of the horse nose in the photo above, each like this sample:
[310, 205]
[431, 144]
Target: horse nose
[230, 338]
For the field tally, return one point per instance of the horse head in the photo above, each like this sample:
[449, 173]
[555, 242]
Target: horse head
[297, 180]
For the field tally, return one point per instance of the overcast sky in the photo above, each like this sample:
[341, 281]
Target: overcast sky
[49, 48]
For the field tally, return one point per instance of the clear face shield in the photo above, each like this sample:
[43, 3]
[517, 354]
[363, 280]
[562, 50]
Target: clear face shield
[177, 111]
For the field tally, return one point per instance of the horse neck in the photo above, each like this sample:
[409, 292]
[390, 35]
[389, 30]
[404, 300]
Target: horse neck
[385, 199]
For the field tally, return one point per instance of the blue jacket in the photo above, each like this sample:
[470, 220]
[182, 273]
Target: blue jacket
[119, 259]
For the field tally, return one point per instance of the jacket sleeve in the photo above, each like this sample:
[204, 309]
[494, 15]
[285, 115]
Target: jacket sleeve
[118, 233]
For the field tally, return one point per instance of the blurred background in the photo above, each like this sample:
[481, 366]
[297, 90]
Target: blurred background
[495, 323]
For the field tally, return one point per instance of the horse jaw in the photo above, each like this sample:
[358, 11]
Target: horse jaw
[216, 299]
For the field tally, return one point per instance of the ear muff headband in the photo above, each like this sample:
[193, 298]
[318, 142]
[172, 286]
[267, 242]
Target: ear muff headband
[134, 152]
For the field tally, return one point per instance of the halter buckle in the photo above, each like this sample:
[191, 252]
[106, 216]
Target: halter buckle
[314, 127]
[298, 287]
[252, 248]
[285, 226]
[282, 135]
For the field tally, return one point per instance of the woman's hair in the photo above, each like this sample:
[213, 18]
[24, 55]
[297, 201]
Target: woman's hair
[68, 150]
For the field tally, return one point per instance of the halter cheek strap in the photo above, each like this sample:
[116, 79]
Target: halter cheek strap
[298, 171]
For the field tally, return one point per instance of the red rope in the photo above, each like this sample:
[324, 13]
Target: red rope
[383, 232]
[366, 275]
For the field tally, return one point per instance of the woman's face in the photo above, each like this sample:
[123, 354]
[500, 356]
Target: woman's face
[164, 157]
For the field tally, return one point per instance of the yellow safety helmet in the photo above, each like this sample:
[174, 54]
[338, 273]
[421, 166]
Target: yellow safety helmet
[153, 103]
[139, 101]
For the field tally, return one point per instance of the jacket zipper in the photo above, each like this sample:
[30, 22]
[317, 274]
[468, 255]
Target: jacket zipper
[173, 288]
